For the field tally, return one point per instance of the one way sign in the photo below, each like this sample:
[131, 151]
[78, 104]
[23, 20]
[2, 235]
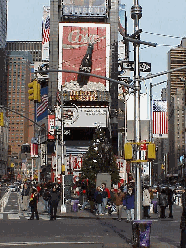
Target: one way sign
[144, 66]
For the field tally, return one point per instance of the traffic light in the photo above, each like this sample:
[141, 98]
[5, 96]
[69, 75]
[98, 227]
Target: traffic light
[151, 154]
[34, 91]
[1, 119]
[128, 151]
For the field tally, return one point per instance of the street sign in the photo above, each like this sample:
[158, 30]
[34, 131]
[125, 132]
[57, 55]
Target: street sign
[144, 66]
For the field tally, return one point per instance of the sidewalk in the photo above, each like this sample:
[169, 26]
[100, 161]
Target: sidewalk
[165, 233]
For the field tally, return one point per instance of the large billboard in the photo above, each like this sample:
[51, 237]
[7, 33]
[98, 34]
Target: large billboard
[83, 116]
[84, 8]
[84, 47]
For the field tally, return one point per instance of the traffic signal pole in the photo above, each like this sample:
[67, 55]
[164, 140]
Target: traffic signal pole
[136, 14]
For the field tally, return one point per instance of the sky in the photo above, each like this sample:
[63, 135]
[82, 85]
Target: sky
[165, 17]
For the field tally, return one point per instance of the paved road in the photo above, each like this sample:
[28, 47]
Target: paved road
[67, 231]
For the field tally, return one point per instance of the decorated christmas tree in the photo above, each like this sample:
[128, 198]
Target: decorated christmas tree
[99, 159]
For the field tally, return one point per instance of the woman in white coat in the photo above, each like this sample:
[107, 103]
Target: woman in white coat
[146, 202]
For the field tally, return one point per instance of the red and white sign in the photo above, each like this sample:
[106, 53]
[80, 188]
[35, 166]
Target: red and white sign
[34, 150]
[51, 126]
[74, 39]
[144, 145]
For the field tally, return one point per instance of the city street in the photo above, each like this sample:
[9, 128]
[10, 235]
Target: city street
[81, 229]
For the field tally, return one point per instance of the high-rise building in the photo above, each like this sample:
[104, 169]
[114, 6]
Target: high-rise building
[19, 75]
[34, 47]
[176, 109]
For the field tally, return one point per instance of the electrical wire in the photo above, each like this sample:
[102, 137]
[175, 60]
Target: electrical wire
[163, 35]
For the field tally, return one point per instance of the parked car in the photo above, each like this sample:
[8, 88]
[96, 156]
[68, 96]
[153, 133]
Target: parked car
[179, 190]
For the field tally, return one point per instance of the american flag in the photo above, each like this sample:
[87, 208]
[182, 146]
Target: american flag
[160, 120]
[46, 30]
[43, 105]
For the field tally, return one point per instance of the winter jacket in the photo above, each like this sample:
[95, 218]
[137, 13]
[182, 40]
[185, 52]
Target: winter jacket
[146, 198]
[46, 195]
[163, 200]
[118, 198]
[170, 197]
[54, 197]
[129, 201]
[105, 193]
[98, 197]
[33, 200]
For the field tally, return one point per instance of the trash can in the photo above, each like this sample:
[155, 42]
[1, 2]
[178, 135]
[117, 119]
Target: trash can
[141, 233]
[155, 208]
[74, 205]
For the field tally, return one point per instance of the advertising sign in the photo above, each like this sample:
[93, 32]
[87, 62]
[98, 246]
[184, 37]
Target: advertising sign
[84, 7]
[84, 47]
[84, 117]
[34, 150]
[51, 126]
[45, 33]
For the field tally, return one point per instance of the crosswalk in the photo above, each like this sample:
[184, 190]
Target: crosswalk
[21, 216]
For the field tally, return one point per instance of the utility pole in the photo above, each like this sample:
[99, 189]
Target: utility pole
[136, 14]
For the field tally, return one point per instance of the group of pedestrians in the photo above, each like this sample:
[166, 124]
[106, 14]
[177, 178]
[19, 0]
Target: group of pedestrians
[164, 199]
[119, 199]
[30, 198]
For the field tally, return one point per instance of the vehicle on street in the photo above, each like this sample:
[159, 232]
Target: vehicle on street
[12, 188]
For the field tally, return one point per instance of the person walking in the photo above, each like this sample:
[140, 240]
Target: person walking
[118, 201]
[54, 198]
[25, 197]
[146, 202]
[33, 204]
[163, 203]
[128, 203]
[98, 200]
[106, 196]
[46, 195]
[170, 201]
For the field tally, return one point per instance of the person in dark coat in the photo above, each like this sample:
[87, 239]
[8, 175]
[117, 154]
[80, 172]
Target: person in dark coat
[183, 222]
[99, 200]
[46, 195]
[33, 204]
[128, 204]
[163, 203]
[54, 198]
[170, 201]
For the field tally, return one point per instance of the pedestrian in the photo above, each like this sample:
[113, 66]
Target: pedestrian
[183, 221]
[170, 201]
[33, 204]
[54, 198]
[146, 202]
[163, 203]
[111, 205]
[118, 201]
[106, 196]
[128, 203]
[98, 200]
[25, 197]
[46, 195]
